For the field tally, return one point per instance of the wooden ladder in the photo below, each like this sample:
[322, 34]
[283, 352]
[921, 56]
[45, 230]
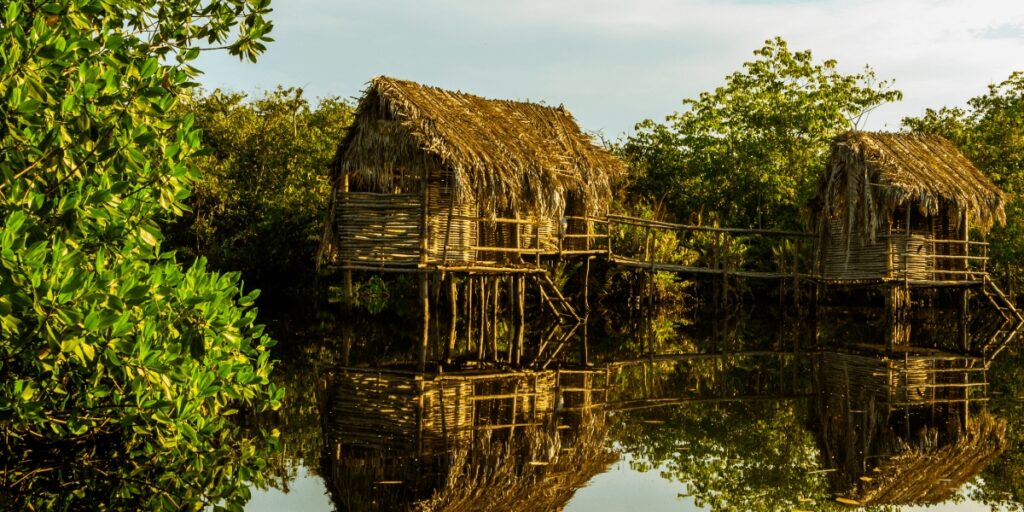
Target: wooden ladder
[556, 302]
[562, 331]
[1012, 319]
[999, 299]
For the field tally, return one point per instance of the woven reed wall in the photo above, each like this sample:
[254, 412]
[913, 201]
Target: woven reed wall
[853, 258]
[911, 379]
[575, 227]
[857, 258]
[912, 256]
[533, 396]
[500, 234]
[378, 228]
[463, 231]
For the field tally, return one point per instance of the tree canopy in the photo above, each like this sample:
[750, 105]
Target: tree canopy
[749, 151]
[111, 353]
[264, 189]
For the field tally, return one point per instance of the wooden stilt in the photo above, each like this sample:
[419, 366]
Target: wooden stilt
[510, 352]
[495, 290]
[453, 304]
[470, 282]
[585, 348]
[481, 340]
[346, 290]
[425, 317]
[346, 343]
[520, 298]
[346, 307]
[586, 287]
[424, 277]
[437, 347]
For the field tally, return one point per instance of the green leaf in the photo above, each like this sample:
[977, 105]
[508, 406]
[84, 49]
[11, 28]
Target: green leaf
[29, 106]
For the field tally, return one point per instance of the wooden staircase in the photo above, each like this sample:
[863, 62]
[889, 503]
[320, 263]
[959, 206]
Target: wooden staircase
[561, 332]
[552, 297]
[1011, 323]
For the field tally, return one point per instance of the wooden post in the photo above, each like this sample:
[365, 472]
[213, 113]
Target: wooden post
[346, 290]
[494, 318]
[346, 276]
[520, 315]
[425, 310]
[510, 353]
[346, 301]
[469, 313]
[536, 241]
[453, 303]
[515, 256]
[967, 246]
[797, 249]
[586, 287]
[480, 342]
[608, 233]
[906, 250]
[424, 278]
[346, 342]
[718, 286]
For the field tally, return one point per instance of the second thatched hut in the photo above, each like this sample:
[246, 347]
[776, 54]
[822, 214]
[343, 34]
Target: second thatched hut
[899, 206]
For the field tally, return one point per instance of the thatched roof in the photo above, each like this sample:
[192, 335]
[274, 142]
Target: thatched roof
[503, 154]
[870, 174]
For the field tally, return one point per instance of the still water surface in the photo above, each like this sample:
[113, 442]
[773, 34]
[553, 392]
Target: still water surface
[685, 411]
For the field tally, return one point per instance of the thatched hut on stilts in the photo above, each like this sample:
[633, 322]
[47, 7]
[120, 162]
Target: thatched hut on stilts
[899, 206]
[903, 429]
[896, 211]
[440, 183]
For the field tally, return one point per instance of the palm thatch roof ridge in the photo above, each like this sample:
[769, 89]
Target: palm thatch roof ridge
[501, 153]
[872, 173]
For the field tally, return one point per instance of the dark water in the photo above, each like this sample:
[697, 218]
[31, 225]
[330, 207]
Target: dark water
[745, 409]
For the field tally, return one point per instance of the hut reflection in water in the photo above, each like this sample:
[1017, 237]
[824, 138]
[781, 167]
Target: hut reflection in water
[902, 429]
[468, 441]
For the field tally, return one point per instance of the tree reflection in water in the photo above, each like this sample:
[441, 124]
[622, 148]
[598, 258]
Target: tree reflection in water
[754, 411]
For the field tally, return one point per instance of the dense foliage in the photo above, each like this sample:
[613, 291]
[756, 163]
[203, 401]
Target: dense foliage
[264, 186]
[750, 151]
[111, 354]
[990, 131]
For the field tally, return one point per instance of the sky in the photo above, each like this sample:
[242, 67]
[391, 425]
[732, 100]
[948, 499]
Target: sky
[616, 63]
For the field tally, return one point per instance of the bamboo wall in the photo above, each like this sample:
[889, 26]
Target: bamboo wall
[463, 233]
[503, 234]
[894, 256]
[378, 228]
[384, 229]
[911, 258]
[852, 257]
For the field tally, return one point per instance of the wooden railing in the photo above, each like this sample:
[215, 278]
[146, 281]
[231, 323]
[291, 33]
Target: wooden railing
[939, 260]
[705, 249]
[582, 235]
